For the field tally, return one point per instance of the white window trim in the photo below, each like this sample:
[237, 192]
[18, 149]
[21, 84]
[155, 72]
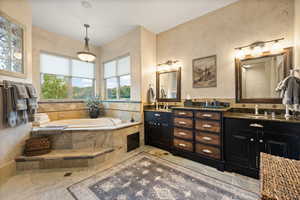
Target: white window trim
[118, 78]
[69, 79]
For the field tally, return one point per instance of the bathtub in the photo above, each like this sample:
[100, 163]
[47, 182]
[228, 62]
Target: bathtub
[103, 123]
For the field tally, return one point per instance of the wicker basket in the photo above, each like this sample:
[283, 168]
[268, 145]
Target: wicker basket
[37, 146]
[280, 178]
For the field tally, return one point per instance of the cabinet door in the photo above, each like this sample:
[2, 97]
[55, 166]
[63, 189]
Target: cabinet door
[281, 145]
[159, 135]
[240, 143]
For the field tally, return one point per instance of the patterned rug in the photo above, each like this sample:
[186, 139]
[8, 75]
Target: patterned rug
[146, 177]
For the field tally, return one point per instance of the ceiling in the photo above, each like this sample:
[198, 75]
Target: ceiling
[110, 19]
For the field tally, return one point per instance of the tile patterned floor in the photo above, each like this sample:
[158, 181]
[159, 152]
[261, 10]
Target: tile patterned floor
[51, 184]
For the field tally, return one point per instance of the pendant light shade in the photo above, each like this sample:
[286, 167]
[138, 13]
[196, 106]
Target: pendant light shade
[86, 55]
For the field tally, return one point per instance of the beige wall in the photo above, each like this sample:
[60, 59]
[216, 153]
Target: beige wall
[11, 140]
[129, 43]
[219, 32]
[148, 57]
[45, 41]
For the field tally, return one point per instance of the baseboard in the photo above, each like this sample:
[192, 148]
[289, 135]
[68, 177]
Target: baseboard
[7, 170]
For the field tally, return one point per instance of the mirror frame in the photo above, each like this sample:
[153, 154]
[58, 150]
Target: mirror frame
[288, 62]
[178, 98]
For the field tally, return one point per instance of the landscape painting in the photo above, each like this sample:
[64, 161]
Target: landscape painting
[205, 72]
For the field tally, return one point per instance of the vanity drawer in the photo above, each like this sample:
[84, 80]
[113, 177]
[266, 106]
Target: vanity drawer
[208, 115]
[208, 151]
[182, 144]
[207, 138]
[157, 116]
[183, 122]
[208, 126]
[183, 113]
[183, 133]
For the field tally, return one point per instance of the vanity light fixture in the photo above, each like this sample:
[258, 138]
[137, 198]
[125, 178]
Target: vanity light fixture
[259, 48]
[169, 65]
[86, 55]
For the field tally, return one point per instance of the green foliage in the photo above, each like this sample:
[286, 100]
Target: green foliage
[112, 93]
[125, 92]
[82, 93]
[93, 103]
[54, 87]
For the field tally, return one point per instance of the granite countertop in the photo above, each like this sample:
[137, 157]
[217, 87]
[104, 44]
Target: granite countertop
[202, 108]
[160, 110]
[278, 118]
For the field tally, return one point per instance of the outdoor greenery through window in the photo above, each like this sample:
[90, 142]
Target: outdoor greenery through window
[66, 78]
[117, 78]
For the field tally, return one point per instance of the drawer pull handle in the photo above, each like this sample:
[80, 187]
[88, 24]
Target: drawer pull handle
[207, 151]
[206, 126]
[157, 115]
[182, 113]
[256, 125]
[206, 138]
[182, 145]
[182, 133]
[206, 115]
[182, 123]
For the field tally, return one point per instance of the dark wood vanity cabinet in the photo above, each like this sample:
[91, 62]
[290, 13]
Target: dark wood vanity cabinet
[197, 135]
[158, 129]
[245, 139]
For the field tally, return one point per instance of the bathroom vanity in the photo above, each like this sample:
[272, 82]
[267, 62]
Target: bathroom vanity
[222, 139]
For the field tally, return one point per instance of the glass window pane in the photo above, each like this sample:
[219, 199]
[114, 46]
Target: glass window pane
[82, 88]
[111, 88]
[51, 64]
[124, 66]
[54, 87]
[82, 69]
[110, 69]
[125, 87]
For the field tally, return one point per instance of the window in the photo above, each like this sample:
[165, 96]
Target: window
[117, 78]
[11, 47]
[65, 78]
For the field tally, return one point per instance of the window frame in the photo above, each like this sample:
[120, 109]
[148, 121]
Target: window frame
[117, 77]
[22, 74]
[68, 77]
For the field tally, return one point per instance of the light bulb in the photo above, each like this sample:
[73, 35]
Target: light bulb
[276, 48]
[257, 51]
[240, 54]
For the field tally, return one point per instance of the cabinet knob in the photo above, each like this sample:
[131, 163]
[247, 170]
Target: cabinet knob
[206, 115]
[251, 139]
[182, 113]
[207, 151]
[261, 141]
[256, 125]
[157, 115]
[182, 123]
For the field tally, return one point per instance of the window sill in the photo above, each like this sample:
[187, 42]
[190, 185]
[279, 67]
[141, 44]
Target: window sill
[120, 101]
[44, 101]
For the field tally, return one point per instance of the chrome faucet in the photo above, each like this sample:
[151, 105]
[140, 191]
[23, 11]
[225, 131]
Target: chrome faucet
[256, 110]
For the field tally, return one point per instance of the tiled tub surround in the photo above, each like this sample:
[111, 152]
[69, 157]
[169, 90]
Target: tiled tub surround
[81, 147]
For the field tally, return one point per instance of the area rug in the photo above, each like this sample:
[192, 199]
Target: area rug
[146, 177]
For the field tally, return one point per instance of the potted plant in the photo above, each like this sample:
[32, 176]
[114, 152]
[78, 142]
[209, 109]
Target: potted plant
[93, 105]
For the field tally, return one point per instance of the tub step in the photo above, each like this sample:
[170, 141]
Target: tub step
[69, 158]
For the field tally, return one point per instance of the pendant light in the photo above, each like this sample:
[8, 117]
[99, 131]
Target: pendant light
[86, 55]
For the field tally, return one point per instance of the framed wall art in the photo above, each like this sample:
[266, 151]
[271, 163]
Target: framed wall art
[205, 72]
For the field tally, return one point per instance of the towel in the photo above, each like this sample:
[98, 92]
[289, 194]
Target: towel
[289, 89]
[10, 114]
[32, 103]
